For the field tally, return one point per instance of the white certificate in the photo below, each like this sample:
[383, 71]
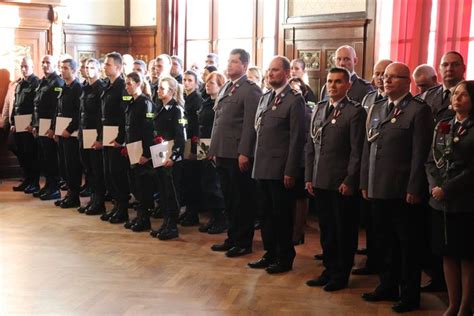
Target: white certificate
[135, 151]
[22, 122]
[89, 136]
[61, 124]
[203, 148]
[110, 133]
[161, 152]
[44, 125]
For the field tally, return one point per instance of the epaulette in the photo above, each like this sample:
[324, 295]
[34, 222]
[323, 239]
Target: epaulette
[367, 83]
[381, 100]
[250, 82]
[371, 92]
[296, 92]
[433, 88]
[417, 98]
[354, 103]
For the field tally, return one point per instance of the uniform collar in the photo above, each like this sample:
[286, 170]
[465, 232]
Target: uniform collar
[397, 101]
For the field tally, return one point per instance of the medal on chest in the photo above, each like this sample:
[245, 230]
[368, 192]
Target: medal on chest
[337, 113]
[395, 115]
[276, 103]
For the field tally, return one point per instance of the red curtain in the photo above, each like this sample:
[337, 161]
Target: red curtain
[174, 32]
[452, 28]
[410, 32]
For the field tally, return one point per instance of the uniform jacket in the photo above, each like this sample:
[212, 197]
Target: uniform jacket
[169, 124]
[139, 116]
[360, 87]
[334, 145]
[90, 106]
[46, 98]
[280, 126]
[440, 108]
[396, 149]
[370, 98]
[233, 132]
[459, 182]
[206, 118]
[69, 101]
[114, 101]
[25, 96]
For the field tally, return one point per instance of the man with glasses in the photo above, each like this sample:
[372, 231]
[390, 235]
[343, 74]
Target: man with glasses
[452, 69]
[398, 139]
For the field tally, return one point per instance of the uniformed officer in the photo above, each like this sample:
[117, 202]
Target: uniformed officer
[398, 138]
[452, 69]
[425, 77]
[139, 116]
[114, 99]
[68, 145]
[298, 70]
[280, 127]
[232, 144]
[92, 158]
[26, 144]
[346, 58]
[333, 154]
[46, 102]
[371, 263]
[169, 125]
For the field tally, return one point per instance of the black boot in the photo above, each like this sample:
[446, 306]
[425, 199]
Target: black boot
[106, 216]
[143, 221]
[22, 186]
[121, 216]
[98, 207]
[220, 222]
[190, 218]
[156, 232]
[171, 230]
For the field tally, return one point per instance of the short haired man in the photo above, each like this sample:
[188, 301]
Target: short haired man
[452, 69]
[425, 78]
[280, 127]
[232, 145]
[398, 139]
[177, 68]
[346, 57]
[212, 60]
[333, 155]
[46, 103]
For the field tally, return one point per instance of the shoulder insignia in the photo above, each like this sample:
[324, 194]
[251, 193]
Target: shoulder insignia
[183, 121]
[296, 92]
[417, 98]
[354, 103]
[433, 88]
[311, 104]
[250, 82]
[127, 98]
[381, 100]
[367, 83]
[58, 89]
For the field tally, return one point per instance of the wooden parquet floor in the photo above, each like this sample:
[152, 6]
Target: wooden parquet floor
[60, 262]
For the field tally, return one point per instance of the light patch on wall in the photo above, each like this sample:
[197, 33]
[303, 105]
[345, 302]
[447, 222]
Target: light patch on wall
[142, 12]
[9, 20]
[320, 7]
[96, 12]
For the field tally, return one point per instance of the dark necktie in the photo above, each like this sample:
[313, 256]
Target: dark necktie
[329, 110]
[456, 127]
[390, 107]
[228, 87]
[272, 97]
[446, 95]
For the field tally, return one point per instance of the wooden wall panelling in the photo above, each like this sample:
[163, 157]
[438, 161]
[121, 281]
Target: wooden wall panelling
[143, 43]
[95, 41]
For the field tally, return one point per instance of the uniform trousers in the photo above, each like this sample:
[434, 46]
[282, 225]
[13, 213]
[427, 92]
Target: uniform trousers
[27, 153]
[239, 197]
[48, 161]
[116, 175]
[68, 149]
[93, 161]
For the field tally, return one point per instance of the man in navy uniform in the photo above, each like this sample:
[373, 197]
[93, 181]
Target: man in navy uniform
[279, 123]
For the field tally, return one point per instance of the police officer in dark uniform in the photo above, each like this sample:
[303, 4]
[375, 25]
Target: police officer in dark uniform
[232, 144]
[333, 155]
[46, 103]
[169, 125]
[346, 58]
[280, 127]
[114, 99]
[452, 69]
[26, 144]
[139, 116]
[396, 148]
[92, 158]
[68, 145]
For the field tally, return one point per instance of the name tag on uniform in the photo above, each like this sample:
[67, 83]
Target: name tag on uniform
[127, 97]
[58, 89]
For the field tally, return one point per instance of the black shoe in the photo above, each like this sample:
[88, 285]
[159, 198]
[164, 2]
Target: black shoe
[261, 264]
[156, 232]
[380, 296]
[434, 286]
[40, 192]
[31, 189]
[217, 228]
[21, 187]
[364, 271]
[157, 213]
[141, 225]
[64, 187]
[278, 268]
[237, 251]
[190, 220]
[58, 202]
[106, 216]
[129, 224]
[321, 281]
[204, 228]
[299, 241]
[95, 209]
[221, 247]
[86, 192]
[403, 307]
[50, 195]
[319, 256]
[168, 233]
[83, 209]
[119, 217]
[335, 286]
[70, 203]
[362, 251]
